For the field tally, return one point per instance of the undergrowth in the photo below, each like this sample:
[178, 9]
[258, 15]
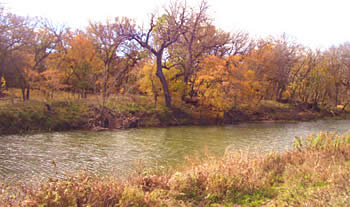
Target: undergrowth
[36, 116]
[315, 173]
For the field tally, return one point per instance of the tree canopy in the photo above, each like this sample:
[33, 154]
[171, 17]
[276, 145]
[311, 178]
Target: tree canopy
[180, 54]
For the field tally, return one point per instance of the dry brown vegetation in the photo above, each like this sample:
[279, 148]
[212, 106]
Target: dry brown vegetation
[315, 173]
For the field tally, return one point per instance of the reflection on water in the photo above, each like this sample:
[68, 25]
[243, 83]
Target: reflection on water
[24, 156]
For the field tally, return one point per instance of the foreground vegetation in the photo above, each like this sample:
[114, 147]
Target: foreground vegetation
[315, 173]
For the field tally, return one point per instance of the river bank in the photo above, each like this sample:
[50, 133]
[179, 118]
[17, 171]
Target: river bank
[314, 173]
[34, 116]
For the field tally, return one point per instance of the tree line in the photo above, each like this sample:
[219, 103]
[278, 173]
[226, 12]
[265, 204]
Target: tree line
[179, 53]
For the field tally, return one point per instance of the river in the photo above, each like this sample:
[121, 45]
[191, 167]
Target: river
[49, 154]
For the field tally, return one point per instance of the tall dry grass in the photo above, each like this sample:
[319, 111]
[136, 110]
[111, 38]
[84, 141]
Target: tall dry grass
[315, 173]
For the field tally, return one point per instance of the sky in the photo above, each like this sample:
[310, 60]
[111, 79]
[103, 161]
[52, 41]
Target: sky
[313, 23]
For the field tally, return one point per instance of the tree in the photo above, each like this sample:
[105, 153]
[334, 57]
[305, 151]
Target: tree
[240, 44]
[118, 54]
[148, 82]
[32, 39]
[80, 64]
[15, 34]
[345, 71]
[2, 85]
[273, 61]
[225, 83]
[199, 39]
[45, 39]
[163, 31]
[301, 70]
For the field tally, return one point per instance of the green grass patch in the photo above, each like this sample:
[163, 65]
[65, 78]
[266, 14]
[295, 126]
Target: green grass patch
[36, 116]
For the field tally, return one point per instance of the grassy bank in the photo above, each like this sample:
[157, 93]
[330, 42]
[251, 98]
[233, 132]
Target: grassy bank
[315, 173]
[67, 112]
[62, 115]
[35, 116]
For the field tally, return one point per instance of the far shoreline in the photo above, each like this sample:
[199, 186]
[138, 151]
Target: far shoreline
[143, 122]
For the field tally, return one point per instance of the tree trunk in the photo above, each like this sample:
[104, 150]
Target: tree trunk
[344, 106]
[28, 93]
[188, 68]
[336, 94]
[163, 81]
[23, 93]
[83, 94]
[155, 93]
[104, 90]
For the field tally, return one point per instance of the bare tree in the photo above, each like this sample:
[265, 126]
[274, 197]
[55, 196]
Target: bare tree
[15, 33]
[118, 54]
[240, 43]
[278, 57]
[200, 38]
[35, 37]
[45, 39]
[163, 31]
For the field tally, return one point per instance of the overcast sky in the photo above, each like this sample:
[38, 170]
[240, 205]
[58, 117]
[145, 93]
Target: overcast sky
[314, 23]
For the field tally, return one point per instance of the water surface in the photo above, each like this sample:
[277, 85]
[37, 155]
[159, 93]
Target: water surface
[36, 155]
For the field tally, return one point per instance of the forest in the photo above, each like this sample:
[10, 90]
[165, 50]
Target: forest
[179, 69]
[178, 56]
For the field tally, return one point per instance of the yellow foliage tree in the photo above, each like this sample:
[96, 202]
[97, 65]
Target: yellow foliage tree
[226, 83]
[150, 84]
[80, 64]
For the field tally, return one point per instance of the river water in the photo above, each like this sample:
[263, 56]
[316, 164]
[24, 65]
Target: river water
[46, 154]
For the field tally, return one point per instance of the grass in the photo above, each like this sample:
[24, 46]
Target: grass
[276, 105]
[315, 173]
[67, 111]
[35, 116]
[133, 104]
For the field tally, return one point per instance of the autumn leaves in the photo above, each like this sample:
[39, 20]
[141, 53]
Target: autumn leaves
[180, 53]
